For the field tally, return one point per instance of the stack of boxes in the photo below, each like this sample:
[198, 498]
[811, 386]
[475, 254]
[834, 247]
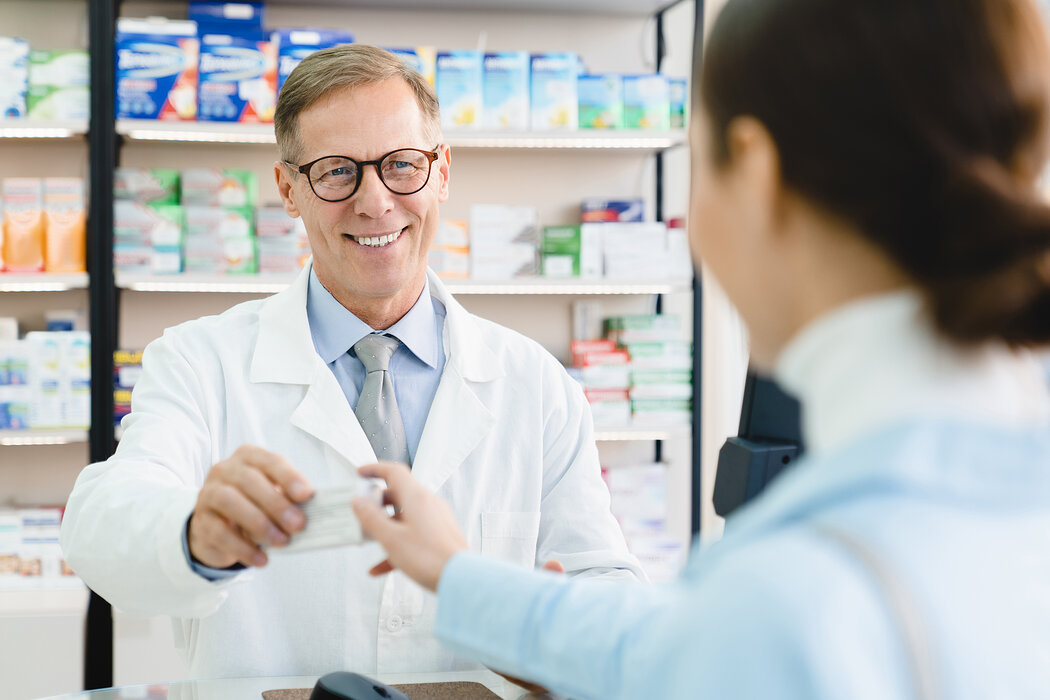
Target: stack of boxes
[127, 368]
[44, 225]
[639, 373]
[282, 243]
[638, 499]
[504, 242]
[449, 254]
[220, 224]
[30, 554]
[661, 375]
[147, 221]
[58, 85]
[45, 379]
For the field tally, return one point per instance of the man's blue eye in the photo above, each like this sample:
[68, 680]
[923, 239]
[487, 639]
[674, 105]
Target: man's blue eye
[401, 164]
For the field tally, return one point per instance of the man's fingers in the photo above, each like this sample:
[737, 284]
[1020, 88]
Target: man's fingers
[395, 475]
[555, 566]
[216, 543]
[233, 505]
[282, 512]
[278, 470]
[383, 567]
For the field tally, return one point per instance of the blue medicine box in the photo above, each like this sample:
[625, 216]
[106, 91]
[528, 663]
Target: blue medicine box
[293, 45]
[156, 69]
[505, 90]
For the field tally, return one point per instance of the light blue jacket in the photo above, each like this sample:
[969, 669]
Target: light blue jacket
[947, 596]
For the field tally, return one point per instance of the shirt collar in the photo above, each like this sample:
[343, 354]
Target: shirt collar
[879, 360]
[335, 329]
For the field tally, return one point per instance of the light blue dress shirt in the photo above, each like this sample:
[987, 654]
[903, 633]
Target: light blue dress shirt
[415, 367]
[959, 513]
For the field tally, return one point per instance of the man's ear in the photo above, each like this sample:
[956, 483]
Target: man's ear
[755, 160]
[286, 187]
[444, 170]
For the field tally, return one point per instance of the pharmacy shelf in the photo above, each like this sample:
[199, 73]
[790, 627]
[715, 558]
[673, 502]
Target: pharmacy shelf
[269, 283]
[641, 433]
[42, 282]
[69, 599]
[42, 437]
[218, 132]
[40, 129]
[636, 8]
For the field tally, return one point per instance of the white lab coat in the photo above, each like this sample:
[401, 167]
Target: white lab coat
[508, 443]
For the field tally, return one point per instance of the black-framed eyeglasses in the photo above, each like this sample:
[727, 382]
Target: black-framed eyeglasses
[335, 178]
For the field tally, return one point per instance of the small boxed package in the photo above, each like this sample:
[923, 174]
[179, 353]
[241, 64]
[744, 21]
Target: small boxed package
[458, 84]
[157, 69]
[661, 384]
[147, 185]
[237, 78]
[58, 85]
[504, 242]
[293, 45]
[634, 250]
[601, 101]
[646, 102]
[625, 330]
[662, 411]
[66, 238]
[421, 59]
[219, 240]
[597, 210]
[609, 407]
[663, 354]
[678, 91]
[506, 90]
[560, 251]
[554, 104]
[60, 374]
[24, 226]
[214, 187]
[14, 67]
[147, 238]
[449, 254]
[226, 17]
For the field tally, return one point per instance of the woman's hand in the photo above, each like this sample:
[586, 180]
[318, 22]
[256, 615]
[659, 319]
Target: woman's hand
[423, 534]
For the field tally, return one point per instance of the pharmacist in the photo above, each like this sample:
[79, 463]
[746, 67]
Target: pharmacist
[240, 417]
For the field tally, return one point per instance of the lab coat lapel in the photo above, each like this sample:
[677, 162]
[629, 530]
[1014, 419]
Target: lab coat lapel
[458, 420]
[285, 354]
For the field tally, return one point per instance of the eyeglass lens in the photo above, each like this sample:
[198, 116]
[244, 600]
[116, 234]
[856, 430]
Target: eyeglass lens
[403, 172]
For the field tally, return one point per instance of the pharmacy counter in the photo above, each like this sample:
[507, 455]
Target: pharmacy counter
[253, 688]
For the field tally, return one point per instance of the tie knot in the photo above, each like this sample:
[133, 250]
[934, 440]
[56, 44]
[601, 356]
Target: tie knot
[375, 351]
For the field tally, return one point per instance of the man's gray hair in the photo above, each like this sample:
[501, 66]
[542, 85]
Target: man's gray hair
[347, 65]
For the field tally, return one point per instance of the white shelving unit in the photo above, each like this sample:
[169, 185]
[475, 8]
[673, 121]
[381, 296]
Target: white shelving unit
[42, 436]
[592, 139]
[41, 129]
[42, 282]
[269, 284]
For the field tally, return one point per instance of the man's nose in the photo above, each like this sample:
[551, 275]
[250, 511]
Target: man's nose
[372, 198]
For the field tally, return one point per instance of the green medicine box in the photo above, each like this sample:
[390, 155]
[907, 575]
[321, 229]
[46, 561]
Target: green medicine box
[601, 101]
[560, 251]
[646, 102]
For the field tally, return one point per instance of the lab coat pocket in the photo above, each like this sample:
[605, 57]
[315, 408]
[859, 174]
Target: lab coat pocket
[510, 536]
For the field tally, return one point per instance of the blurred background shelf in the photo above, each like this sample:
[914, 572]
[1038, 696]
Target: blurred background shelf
[40, 129]
[68, 599]
[218, 132]
[641, 432]
[270, 283]
[42, 436]
[42, 282]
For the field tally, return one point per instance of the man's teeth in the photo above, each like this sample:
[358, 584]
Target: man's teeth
[379, 241]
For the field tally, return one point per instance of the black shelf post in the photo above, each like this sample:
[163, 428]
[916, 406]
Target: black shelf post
[698, 299]
[102, 153]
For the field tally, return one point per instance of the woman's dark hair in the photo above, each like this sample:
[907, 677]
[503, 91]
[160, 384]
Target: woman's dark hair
[922, 122]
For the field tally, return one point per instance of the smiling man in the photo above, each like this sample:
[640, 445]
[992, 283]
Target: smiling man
[239, 418]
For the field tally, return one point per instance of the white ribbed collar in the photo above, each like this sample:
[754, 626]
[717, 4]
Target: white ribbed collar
[877, 361]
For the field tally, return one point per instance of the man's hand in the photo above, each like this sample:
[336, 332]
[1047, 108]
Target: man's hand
[423, 534]
[246, 501]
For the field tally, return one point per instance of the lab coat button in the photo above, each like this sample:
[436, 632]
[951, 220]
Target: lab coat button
[394, 623]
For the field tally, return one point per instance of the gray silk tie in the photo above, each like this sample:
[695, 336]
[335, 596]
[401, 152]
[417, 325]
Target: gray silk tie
[377, 406]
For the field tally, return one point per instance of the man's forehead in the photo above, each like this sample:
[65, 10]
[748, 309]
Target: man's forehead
[371, 119]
